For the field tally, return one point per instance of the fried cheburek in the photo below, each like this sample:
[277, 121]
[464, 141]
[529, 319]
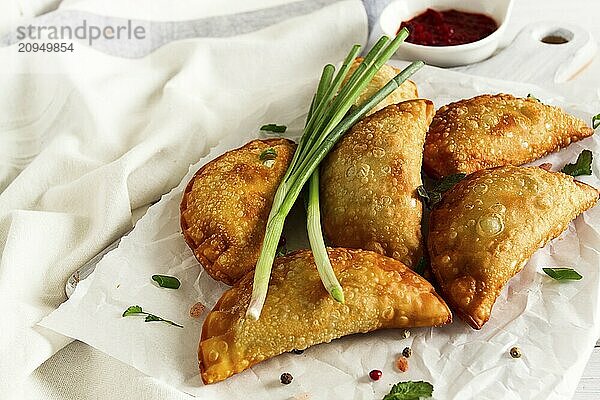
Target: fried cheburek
[226, 204]
[380, 293]
[486, 228]
[369, 182]
[494, 130]
[406, 91]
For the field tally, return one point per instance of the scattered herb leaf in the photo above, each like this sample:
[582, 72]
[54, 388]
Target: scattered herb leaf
[420, 268]
[434, 195]
[268, 154]
[137, 310]
[562, 274]
[448, 182]
[152, 317]
[422, 192]
[410, 390]
[132, 310]
[583, 165]
[273, 128]
[530, 96]
[596, 121]
[281, 251]
[166, 281]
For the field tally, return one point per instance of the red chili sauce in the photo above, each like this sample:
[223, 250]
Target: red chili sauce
[448, 28]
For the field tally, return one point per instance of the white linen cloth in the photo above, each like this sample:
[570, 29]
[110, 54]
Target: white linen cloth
[87, 137]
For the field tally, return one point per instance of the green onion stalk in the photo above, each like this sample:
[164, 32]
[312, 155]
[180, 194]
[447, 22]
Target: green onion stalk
[330, 116]
[317, 244]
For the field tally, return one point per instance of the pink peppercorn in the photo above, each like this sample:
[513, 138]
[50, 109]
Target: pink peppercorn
[375, 374]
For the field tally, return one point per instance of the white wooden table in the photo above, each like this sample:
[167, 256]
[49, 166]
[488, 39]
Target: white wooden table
[589, 385]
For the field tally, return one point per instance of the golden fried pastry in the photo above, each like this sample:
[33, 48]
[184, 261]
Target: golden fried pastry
[226, 204]
[486, 228]
[406, 91]
[494, 130]
[380, 293]
[369, 182]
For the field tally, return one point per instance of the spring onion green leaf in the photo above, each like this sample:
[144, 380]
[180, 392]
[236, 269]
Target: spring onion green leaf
[273, 128]
[331, 116]
[583, 165]
[562, 274]
[137, 310]
[268, 154]
[596, 121]
[433, 196]
[530, 96]
[275, 224]
[324, 268]
[410, 390]
[166, 281]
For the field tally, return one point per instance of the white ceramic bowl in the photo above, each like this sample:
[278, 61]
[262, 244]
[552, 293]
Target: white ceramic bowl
[446, 56]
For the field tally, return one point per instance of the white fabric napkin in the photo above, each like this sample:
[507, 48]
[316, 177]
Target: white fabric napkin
[87, 137]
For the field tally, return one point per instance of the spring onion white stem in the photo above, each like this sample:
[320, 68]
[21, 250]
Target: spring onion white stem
[317, 245]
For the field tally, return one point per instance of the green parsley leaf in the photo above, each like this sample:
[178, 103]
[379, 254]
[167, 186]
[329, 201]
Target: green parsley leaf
[132, 310]
[420, 268]
[423, 194]
[166, 281]
[562, 274]
[273, 128]
[268, 154]
[410, 391]
[583, 165]
[448, 182]
[530, 96]
[596, 121]
[137, 310]
[152, 317]
[433, 196]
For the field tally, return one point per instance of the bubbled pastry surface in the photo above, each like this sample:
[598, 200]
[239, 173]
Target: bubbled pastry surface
[486, 228]
[226, 204]
[406, 91]
[369, 181]
[380, 292]
[494, 130]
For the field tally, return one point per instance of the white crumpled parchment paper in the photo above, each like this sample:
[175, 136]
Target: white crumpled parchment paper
[554, 324]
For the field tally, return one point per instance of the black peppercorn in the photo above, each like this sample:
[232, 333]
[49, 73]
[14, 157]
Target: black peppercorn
[286, 378]
[515, 352]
